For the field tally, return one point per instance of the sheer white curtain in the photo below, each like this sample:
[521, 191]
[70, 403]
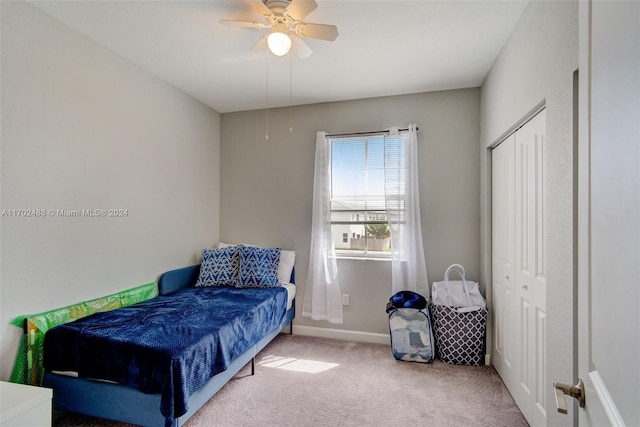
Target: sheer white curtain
[409, 271]
[322, 295]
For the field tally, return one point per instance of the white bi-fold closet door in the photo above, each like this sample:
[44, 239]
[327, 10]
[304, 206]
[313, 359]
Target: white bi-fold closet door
[519, 268]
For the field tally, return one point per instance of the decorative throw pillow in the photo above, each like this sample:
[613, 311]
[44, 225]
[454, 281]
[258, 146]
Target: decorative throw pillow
[285, 266]
[219, 267]
[258, 267]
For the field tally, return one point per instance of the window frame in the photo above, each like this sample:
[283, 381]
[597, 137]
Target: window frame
[367, 252]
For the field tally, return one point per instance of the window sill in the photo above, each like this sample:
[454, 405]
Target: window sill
[362, 258]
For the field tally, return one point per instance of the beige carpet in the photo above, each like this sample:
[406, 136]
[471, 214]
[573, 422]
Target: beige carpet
[306, 381]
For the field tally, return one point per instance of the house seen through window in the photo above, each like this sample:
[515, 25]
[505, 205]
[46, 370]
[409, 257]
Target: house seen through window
[359, 224]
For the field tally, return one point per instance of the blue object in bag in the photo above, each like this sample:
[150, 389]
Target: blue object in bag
[406, 299]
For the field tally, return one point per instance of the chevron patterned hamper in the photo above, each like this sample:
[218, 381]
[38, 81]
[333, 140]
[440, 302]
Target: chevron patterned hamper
[459, 334]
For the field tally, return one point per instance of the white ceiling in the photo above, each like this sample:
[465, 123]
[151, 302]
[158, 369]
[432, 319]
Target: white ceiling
[384, 48]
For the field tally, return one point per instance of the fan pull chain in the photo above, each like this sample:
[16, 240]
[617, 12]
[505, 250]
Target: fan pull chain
[290, 92]
[266, 136]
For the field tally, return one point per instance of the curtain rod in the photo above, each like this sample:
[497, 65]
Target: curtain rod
[375, 132]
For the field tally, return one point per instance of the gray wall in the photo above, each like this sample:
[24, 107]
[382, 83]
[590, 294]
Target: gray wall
[536, 66]
[267, 185]
[83, 128]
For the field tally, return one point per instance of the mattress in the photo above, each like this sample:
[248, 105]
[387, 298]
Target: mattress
[291, 293]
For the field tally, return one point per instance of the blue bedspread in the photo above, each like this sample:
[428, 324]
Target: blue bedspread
[171, 344]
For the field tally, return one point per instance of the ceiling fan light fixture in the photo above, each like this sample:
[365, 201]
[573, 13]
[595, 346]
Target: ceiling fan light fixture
[279, 43]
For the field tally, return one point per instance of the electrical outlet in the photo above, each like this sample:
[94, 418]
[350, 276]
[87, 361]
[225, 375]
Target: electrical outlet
[345, 299]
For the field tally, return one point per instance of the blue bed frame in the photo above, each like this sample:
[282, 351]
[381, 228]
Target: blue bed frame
[126, 404]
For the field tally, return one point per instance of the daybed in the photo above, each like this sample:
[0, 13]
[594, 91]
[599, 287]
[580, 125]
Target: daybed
[159, 367]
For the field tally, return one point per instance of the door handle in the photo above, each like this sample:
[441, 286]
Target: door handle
[575, 391]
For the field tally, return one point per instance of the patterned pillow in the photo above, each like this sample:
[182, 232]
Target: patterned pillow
[258, 267]
[285, 267]
[219, 267]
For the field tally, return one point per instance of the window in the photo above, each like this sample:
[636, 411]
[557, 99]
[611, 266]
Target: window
[359, 224]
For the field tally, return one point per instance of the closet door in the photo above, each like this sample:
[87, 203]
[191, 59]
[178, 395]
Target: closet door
[519, 268]
[503, 259]
[530, 287]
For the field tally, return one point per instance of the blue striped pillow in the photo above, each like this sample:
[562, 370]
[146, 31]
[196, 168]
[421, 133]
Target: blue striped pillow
[258, 267]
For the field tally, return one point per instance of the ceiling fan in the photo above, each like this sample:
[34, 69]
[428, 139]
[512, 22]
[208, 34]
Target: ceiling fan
[284, 18]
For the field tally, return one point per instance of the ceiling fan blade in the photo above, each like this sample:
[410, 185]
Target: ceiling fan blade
[298, 9]
[317, 31]
[261, 8]
[244, 24]
[261, 45]
[299, 47]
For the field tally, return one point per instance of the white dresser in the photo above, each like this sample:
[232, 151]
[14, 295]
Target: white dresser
[24, 405]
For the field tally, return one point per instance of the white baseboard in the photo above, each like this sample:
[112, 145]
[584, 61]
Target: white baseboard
[487, 359]
[341, 334]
